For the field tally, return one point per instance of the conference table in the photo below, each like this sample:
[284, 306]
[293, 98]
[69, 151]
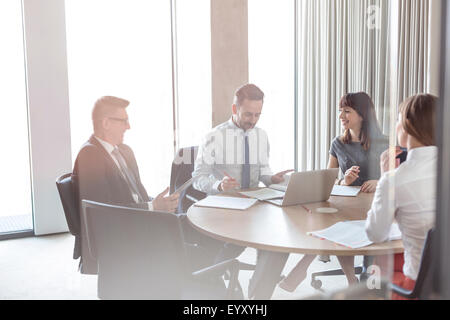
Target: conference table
[268, 227]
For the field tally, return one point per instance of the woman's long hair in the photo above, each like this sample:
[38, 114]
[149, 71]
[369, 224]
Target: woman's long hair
[419, 117]
[363, 105]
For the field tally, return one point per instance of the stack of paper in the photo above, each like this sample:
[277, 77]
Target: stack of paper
[352, 234]
[226, 202]
[345, 191]
[264, 194]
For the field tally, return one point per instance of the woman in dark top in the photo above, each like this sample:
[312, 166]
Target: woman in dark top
[357, 153]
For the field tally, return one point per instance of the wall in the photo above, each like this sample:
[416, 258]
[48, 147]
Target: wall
[229, 54]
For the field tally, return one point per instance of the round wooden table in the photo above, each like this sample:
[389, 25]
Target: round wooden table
[269, 227]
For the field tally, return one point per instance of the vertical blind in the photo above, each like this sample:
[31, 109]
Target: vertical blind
[344, 46]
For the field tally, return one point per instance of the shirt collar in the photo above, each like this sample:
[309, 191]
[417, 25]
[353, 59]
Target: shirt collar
[422, 152]
[232, 124]
[108, 146]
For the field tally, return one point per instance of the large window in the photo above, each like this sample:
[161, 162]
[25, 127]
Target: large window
[271, 67]
[123, 48]
[15, 185]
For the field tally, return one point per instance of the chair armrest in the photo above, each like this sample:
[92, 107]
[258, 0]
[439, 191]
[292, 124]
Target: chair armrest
[195, 195]
[192, 198]
[410, 294]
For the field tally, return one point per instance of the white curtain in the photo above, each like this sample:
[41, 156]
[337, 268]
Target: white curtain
[345, 46]
[418, 47]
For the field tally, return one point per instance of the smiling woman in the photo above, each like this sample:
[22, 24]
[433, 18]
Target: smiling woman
[358, 150]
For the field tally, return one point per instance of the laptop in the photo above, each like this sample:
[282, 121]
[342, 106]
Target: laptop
[307, 187]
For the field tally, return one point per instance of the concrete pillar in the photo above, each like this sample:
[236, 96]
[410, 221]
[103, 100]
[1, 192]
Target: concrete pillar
[229, 54]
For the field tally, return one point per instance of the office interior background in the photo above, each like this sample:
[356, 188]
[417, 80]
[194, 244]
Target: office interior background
[179, 63]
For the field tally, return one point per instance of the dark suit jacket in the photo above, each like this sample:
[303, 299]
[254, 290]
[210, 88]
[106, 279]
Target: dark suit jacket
[97, 178]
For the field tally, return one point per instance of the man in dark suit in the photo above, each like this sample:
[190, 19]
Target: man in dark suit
[106, 169]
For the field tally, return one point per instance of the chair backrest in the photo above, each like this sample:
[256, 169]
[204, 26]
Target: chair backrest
[69, 202]
[182, 168]
[140, 253]
[424, 279]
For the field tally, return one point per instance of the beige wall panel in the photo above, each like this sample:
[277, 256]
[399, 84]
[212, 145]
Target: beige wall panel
[229, 54]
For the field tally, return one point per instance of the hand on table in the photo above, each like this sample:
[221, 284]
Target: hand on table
[168, 204]
[228, 183]
[369, 186]
[279, 177]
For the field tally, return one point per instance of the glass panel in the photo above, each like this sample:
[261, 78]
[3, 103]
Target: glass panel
[122, 48]
[343, 47]
[194, 71]
[15, 186]
[271, 67]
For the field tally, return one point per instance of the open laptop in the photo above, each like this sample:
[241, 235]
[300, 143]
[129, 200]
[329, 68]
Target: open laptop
[307, 187]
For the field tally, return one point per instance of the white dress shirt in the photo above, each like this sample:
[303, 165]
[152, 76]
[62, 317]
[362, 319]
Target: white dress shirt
[109, 149]
[408, 195]
[223, 150]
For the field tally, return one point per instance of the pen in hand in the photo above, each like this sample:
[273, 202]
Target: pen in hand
[228, 182]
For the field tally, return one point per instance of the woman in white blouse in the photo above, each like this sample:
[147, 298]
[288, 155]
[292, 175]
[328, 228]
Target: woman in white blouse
[407, 194]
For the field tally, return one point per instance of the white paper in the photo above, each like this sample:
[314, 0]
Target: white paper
[279, 187]
[226, 202]
[352, 234]
[264, 194]
[345, 191]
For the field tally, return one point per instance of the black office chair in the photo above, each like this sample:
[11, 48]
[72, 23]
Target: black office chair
[360, 270]
[69, 200]
[424, 281]
[182, 168]
[141, 255]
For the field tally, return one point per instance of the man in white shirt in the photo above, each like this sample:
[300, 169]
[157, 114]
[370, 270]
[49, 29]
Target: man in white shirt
[234, 155]
[222, 161]
[106, 170]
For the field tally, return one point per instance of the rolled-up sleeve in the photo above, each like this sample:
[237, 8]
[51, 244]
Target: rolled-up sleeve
[206, 180]
[382, 212]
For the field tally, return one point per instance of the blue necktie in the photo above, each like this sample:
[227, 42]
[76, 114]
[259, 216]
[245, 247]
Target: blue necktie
[246, 167]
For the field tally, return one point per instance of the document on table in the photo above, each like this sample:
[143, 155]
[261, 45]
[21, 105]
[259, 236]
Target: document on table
[352, 234]
[226, 202]
[264, 194]
[279, 187]
[345, 191]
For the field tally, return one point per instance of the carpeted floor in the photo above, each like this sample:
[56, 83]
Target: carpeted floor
[43, 268]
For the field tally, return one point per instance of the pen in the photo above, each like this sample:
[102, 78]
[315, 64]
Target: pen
[223, 172]
[309, 210]
[226, 174]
